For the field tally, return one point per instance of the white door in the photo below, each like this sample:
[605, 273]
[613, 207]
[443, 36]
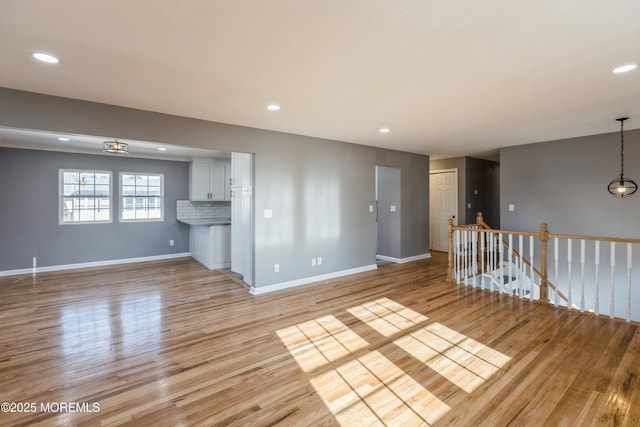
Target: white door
[443, 204]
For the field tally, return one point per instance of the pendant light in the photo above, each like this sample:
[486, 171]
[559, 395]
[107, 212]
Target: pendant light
[115, 147]
[622, 187]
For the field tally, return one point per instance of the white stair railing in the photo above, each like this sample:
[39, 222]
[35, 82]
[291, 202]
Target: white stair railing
[515, 263]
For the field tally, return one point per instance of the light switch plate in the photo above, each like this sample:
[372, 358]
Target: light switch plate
[393, 208]
[370, 208]
[512, 207]
[268, 213]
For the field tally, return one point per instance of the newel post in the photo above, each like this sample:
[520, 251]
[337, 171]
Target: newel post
[450, 255]
[544, 283]
[479, 220]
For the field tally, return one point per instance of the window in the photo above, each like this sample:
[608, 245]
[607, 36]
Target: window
[84, 196]
[141, 197]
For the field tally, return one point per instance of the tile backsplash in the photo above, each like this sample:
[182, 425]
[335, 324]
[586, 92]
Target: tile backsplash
[186, 209]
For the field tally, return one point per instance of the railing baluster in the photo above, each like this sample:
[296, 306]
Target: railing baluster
[582, 276]
[456, 258]
[532, 282]
[569, 299]
[474, 258]
[465, 245]
[613, 278]
[500, 263]
[483, 236]
[520, 265]
[629, 265]
[556, 256]
[510, 263]
[468, 256]
[597, 273]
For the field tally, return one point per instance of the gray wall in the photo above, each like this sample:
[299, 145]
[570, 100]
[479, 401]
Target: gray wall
[29, 212]
[564, 183]
[319, 190]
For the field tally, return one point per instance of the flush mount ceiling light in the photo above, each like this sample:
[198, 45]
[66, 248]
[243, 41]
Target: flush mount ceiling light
[625, 68]
[384, 130]
[115, 147]
[273, 107]
[45, 57]
[622, 187]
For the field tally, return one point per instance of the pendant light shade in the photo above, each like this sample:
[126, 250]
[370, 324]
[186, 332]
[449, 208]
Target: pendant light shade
[622, 187]
[115, 147]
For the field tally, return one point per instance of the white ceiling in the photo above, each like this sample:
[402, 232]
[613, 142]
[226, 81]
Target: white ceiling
[449, 78]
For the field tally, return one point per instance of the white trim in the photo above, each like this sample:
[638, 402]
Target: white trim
[404, 260]
[61, 196]
[122, 197]
[307, 280]
[93, 264]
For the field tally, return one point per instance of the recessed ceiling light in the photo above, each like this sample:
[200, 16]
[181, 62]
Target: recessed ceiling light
[62, 138]
[625, 68]
[44, 57]
[273, 107]
[384, 130]
[162, 149]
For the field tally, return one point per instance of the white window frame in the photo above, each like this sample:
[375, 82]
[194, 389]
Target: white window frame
[122, 197]
[61, 196]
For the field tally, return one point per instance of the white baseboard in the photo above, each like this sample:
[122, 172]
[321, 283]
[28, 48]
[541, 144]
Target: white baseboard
[92, 264]
[308, 280]
[404, 260]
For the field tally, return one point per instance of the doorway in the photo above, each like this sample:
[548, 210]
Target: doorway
[443, 204]
[388, 215]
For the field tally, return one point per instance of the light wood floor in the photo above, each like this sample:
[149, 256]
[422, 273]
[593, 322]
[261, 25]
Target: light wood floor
[170, 343]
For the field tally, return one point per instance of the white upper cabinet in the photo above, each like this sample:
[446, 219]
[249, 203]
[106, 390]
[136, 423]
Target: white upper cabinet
[209, 180]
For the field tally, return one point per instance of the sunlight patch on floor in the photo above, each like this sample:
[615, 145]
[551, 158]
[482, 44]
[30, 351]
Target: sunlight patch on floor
[373, 390]
[387, 317]
[320, 341]
[461, 360]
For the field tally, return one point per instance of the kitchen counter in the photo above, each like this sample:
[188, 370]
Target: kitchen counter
[206, 221]
[210, 241]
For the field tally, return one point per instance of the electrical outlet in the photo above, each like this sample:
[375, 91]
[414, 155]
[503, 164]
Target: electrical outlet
[313, 262]
[370, 208]
[319, 260]
[276, 268]
[171, 242]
